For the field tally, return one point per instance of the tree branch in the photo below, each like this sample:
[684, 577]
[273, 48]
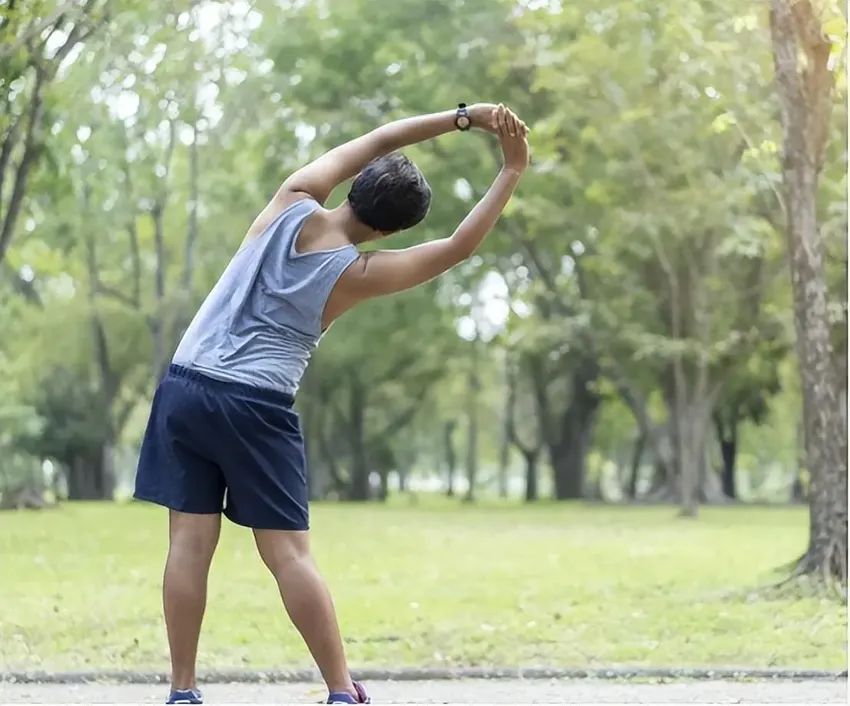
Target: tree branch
[396, 369]
[58, 16]
[132, 230]
[9, 142]
[28, 158]
[76, 35]
[4, 19]
[404, 418]
[115, 294]
[527, 450]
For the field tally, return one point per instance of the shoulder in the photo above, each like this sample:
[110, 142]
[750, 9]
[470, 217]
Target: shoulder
[288, 199]
[279, 205]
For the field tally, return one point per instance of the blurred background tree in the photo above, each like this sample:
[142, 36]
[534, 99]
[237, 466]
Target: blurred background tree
[626, 334]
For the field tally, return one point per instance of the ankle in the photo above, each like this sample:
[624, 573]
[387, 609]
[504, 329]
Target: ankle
[183, 682]
[343, 687]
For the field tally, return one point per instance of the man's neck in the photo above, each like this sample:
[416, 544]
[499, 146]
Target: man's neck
[355, 231]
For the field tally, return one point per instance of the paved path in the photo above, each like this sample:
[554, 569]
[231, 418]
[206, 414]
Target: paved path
[442, 692]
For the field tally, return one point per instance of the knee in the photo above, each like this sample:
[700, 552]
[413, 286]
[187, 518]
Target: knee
[280, 550]
[194, 538]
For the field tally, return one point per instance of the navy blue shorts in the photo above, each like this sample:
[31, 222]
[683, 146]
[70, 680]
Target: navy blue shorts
[213, 446]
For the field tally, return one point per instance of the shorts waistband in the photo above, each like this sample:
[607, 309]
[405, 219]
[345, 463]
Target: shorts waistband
[258, 393]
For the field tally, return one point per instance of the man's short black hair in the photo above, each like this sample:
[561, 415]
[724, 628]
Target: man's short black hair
[390, 194]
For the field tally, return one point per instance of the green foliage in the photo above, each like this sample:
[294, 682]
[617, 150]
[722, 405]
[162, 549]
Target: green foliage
[72, 421]
[644, 242]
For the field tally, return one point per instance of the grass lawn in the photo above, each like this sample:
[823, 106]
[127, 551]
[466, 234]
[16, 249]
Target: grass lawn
[437, 584]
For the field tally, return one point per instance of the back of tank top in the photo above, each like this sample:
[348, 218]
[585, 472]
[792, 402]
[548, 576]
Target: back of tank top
[263, 319]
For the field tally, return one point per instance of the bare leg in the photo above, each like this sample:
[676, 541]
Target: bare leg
[308, 602]
[193, 539]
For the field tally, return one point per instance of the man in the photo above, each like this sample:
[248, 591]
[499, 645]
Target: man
[222, 422]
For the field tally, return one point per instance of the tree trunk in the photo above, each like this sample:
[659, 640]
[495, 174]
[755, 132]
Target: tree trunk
[841, 374]
[798, 488]
[656, 437]
[531, 475]
[30, 154]
[637, 457]
[330, 466]
[805, 101]
[157, 322]
[384, 491]
[569, 459]
[575, 436]
[157, 213]
[687, 447]
[505, 440]
[107, 470]
[182, 316]
[661, 475]
[317, 470]
[727, 437]
[77, 480]
[569, 467]
[729, 452]
[798, 491]
[108, 382]
[451, 456]
[87, 478]
[530, 450]
[700, 484]
[357, 429]
[504, 465]
[59, 484]
[30, 52]
[472, 427]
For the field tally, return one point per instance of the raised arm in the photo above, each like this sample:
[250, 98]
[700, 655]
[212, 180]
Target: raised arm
[321, 176]
[388, 271]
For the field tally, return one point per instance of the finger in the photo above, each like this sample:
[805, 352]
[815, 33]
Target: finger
[503, 120]
[507, 121]
[494, 120]
[511, 122]
[517, 125]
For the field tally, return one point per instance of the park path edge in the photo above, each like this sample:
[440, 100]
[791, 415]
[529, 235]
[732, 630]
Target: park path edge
[434, 674]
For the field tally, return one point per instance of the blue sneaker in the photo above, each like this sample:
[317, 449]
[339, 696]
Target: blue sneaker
[343, 698]
[185, 696]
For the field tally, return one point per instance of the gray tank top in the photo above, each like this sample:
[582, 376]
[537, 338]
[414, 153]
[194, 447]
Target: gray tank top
[263, 319]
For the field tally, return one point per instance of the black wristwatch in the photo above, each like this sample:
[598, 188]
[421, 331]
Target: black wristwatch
[462, 121]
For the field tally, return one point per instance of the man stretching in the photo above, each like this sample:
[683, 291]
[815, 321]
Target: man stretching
[222, 421]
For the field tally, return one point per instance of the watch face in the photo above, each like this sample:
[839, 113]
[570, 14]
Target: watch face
[462, 121]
